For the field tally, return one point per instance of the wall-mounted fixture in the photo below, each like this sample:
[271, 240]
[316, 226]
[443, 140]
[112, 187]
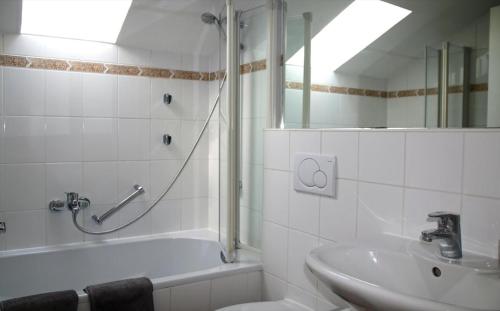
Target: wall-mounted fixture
[73, 201]
[167, 98]
[138, 190]
[315, 173]
[167, 139]
[3, 227]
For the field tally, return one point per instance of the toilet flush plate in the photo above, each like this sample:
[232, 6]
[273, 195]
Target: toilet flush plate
[315, 173]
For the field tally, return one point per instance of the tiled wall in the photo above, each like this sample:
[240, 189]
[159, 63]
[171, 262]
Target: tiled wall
[388, 181]
[97, 134]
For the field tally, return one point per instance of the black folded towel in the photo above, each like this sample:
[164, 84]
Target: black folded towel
[56, 301]
[126, 295]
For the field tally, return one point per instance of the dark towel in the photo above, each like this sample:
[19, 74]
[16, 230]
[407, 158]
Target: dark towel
[126, 295]
[56, 301]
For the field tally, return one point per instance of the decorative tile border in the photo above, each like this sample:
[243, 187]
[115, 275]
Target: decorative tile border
[116, 69]
[383, 94]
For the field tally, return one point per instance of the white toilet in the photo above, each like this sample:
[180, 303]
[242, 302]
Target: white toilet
[282, 305]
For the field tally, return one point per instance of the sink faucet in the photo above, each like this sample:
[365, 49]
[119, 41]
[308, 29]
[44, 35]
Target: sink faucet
[448, 232]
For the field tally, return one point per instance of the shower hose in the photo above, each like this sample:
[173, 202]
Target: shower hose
[176, 177]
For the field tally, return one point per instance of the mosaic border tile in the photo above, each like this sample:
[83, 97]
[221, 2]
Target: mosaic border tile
[482, 87]
[116, 69]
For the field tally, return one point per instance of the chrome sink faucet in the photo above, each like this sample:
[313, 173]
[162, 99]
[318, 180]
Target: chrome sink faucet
[448, 232]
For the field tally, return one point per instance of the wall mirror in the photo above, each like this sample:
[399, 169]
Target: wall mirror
[392, 64]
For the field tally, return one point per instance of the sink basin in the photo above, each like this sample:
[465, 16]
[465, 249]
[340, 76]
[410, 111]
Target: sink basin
[400, 274]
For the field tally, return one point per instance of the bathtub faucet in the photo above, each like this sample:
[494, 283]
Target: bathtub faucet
[448, 232]
[74, 202]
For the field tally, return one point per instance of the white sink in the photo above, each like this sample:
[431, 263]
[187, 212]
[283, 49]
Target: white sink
[399, 274]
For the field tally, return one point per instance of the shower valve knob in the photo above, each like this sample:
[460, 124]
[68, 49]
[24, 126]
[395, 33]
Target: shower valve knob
[167, 139]
[167, 98]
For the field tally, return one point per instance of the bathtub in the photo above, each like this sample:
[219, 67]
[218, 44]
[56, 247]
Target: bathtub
[180, 265]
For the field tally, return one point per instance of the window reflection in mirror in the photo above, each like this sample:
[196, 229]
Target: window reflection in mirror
[392, 63]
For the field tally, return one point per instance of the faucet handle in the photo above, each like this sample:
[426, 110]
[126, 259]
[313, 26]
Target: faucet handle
[445, 219]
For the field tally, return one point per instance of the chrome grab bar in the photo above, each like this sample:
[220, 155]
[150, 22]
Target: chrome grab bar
[138, 191]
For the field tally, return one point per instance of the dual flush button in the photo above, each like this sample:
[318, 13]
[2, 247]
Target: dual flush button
[315, 173]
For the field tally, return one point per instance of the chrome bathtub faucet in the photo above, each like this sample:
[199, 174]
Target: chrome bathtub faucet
[448, 232]
[73, 202]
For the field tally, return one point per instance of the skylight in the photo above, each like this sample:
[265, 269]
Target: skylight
[355, 28]
[94, 20]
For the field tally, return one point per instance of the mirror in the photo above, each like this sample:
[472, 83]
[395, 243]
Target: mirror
[392, 64]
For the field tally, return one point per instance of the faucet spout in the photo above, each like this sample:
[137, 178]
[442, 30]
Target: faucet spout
[448, 233]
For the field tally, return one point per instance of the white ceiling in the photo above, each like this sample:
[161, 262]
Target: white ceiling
[175, 25]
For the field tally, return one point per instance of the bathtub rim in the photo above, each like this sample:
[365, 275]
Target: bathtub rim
[247, 260]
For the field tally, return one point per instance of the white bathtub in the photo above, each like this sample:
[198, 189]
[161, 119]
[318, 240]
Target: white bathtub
[178, 265]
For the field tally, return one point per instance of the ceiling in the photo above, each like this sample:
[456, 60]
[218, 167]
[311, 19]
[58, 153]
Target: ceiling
[164, 25]
[175, 26]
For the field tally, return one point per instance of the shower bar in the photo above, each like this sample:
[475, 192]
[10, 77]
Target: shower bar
[138, 191]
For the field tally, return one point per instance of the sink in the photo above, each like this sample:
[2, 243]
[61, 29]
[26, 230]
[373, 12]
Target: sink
[398, 274]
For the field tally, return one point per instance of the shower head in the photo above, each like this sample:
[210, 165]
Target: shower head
[209, 18]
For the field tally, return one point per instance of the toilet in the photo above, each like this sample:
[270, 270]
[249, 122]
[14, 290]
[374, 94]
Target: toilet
[282, 305]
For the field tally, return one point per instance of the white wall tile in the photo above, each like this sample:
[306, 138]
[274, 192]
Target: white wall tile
[277, 150]
[482, 164]
[304, 142]
[22, 187]
[26, 229]
[481, 225]
[434, 161]
[273, 288]
[59, 229]
[190, 131]
[61, 178]
[304, 210]
[275, 249]
[344, 145]
[133, 139]
[195, 179]
[63, 139]
[167, 216]
[381, 157]
[79, 50]
[162, 174]
[134, 97]
[100, 182]
[98, 209]
[194, 97]
[299, 245]
[24, 92]
[23, 140]
[379, 210]
[228, 291]
[419, 203]
[161, 110]
[182, 297]
[194, 213]
[158, 149]
[132, 173]
[338, 215]
[132, 211]
[63, 93]
[100, 139]
[24, 45]
[276, 191]
[99, 95]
